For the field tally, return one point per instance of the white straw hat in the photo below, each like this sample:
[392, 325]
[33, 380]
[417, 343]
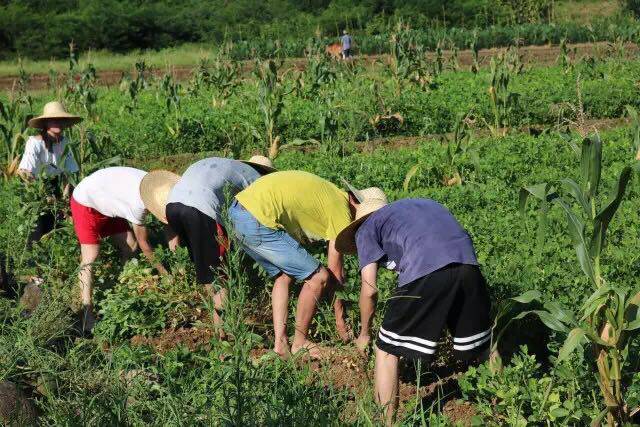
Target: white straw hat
[154, 191]
[346, 240]
[366, 193]
[54, 110]
[262, 164]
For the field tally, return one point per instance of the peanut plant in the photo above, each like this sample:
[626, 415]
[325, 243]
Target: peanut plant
[609, 317]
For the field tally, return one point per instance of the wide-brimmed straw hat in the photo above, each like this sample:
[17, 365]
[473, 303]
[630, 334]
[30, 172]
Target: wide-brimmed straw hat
[346, 240]
[365, 193]
[154, 191]
[54, 110]
[262, 164]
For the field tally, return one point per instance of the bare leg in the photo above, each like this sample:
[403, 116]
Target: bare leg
[280, 310]
[126, 244]
[387, 384]
[219, 300]
[309, 297]
[88, 254]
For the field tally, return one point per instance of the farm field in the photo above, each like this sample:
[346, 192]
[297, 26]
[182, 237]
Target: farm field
[478, 135]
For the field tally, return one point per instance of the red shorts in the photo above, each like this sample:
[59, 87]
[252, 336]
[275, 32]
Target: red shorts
[90, 225]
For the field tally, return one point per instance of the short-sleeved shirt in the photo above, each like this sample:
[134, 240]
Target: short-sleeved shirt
[413, 237]
[306, 206]
[203, 184]
[37, 158]
[114, 192]
[346, 42]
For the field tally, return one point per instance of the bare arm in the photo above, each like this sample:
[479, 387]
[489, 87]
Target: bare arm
[368, 298]
[173, 240]
[142, 237]
[335, 262]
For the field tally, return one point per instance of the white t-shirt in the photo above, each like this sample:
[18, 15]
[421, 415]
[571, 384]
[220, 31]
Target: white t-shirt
[37, 158]
[114, 192]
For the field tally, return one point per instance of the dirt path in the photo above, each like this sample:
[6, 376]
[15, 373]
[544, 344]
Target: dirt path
[540, 55]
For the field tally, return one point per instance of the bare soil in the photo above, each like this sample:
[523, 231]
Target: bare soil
[540, 55]
[191, 338]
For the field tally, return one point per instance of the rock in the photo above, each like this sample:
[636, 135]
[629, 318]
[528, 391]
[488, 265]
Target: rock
[31, 298]
[15, 408]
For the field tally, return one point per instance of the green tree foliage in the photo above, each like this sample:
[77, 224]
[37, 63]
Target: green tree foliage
[42, 29]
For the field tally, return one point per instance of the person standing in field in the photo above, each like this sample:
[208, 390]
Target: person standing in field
[47, 156]
[192, 205]
[272, 219]
[103, 205]
[346, 45]
[439, 285]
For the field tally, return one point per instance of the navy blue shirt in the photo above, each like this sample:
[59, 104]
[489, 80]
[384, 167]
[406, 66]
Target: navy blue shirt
[414, 237]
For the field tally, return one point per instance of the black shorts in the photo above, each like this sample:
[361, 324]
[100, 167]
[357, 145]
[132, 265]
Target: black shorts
[456, 297]
[200, 234]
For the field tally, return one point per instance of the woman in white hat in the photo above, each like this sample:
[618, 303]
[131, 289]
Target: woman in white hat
[46, 155]
[439, 285]
[192, 206]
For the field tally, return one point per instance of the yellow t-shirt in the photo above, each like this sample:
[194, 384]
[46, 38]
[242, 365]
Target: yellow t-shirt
[306, 206]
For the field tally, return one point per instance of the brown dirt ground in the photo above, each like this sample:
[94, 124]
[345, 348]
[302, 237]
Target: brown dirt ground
[541, 55]
[192, 338]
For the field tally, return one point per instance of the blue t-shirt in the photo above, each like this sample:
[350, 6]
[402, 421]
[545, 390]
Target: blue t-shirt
[202, 186]
[346, 42]
[414, 237]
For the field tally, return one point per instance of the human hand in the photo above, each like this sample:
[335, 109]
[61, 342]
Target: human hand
[362, 343]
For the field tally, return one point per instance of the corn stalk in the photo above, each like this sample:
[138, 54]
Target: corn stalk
[610, 315]
[14, 115]
[503, 101]
[408, 61]
[271, 93]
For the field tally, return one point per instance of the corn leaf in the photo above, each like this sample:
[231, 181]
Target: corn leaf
[576, 231]
[590, 163]
[573, 341]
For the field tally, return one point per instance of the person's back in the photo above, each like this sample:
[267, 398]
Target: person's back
[306, 206]
[416, 237]
[203, 184]
[346, 42]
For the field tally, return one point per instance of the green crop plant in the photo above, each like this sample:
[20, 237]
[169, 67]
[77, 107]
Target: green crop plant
[609, 317]
[635, 129]
[89, 153]
[14, 115]
[319, 70]
[408, 61]
[271, 94]
[566, 54]
[503, 100]
[171, 91]
[475, 53]
[80, 88]
[133, 87]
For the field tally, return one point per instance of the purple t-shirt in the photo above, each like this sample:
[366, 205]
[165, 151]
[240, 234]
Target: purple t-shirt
[414, 237]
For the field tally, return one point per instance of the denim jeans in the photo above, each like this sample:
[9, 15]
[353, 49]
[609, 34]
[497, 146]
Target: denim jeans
[275, 250]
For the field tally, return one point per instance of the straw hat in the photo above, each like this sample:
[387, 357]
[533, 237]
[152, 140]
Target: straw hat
[54, 110]
[262, 164]
[366, 193]
[154, 190]
[346, 240]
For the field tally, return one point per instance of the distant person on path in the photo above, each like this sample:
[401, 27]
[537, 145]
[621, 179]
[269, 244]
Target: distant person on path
[103, 205]
[47, 156]
[439, 285]
[273, 218]
[192, 206]
[346, 45]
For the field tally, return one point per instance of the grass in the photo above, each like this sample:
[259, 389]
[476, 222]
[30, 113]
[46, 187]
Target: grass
[584, 11]
[182, 56]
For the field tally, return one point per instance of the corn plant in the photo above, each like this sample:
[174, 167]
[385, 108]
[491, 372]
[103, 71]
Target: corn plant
[271, 94]
[609, 317]
[89, 153]
[80, 88]
[408, 61]
[635, 129]
[475, 53]
[503, 101]
[133, 87]
[565, 58]
[319, 69]
[14, 115]
[171, 93]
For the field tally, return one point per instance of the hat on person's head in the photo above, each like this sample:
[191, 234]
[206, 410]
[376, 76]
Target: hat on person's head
[365, 193]
[346, 240]
[344, 31]
[262, 164]
[154, 191]
[54, 110]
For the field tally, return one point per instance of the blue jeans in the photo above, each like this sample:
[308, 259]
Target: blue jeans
[275, 250]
